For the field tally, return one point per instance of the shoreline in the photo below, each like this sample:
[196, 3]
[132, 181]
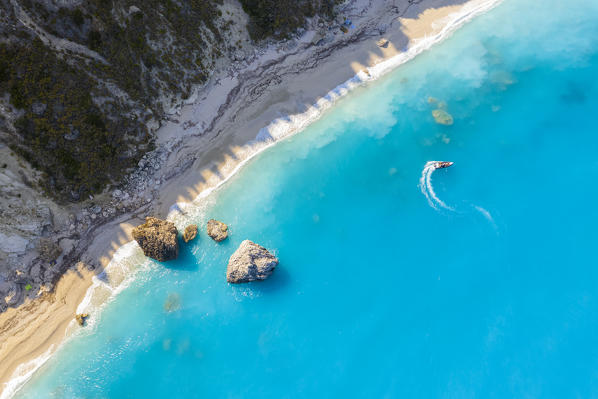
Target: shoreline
[207, 159]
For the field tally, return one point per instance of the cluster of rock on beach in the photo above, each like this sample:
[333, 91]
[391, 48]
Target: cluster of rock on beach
[159, 240]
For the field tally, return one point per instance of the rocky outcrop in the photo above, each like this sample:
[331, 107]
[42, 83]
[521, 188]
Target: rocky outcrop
[217, 230]
[48, 249]
[13, 244]
[190, 233]
[158, 239]
[250, 262]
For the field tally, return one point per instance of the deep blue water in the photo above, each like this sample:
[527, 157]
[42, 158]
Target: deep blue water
[379, 294]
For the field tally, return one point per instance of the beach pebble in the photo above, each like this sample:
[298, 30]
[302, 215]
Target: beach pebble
[81, 318]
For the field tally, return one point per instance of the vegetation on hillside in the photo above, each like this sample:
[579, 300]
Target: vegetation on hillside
[279, 18]
[61, 131]
[82, 121]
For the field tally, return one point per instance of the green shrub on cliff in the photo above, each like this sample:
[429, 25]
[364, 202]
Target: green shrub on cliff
[152, 50]
[62, 132]
[279, 18]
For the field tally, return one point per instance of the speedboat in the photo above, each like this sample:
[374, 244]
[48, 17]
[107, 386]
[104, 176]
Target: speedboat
[442, 164]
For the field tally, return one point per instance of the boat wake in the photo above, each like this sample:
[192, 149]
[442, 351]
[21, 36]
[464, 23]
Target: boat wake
[425, 185]
[486, 214]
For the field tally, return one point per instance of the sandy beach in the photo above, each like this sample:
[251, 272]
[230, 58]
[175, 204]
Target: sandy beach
[237, 114]
[34, 329]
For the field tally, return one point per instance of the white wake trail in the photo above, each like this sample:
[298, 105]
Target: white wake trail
[486, 215]
[425, 184]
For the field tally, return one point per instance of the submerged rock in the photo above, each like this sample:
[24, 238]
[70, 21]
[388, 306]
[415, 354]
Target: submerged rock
[442, 117]
[217, 230]
[81, 318]
[250, 262]
[158, 239]
[190, 232]
[172, 303]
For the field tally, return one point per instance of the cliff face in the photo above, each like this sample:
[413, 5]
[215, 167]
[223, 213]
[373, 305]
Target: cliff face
[84, 78]
[83, 85]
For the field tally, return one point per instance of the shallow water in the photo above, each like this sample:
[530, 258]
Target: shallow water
[382, 291]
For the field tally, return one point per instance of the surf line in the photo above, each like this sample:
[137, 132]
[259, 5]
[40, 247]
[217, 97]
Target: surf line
[425, 185]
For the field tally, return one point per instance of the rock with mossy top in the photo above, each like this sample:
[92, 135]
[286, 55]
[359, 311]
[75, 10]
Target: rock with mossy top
[158, 239]
[217, 230]
[250, 262]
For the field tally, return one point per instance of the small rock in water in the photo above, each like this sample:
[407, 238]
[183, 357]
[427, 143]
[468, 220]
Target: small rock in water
[190, 232]
[81, 318]
[442, 117]
[158, 239]
[217, 230]
[250, 262]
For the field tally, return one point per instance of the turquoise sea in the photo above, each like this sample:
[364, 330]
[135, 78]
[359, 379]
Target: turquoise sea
[480, 282]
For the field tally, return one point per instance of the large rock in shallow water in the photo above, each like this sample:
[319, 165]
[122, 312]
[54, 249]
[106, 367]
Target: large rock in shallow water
[217, 230]
[158, 239]
[250, 262]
